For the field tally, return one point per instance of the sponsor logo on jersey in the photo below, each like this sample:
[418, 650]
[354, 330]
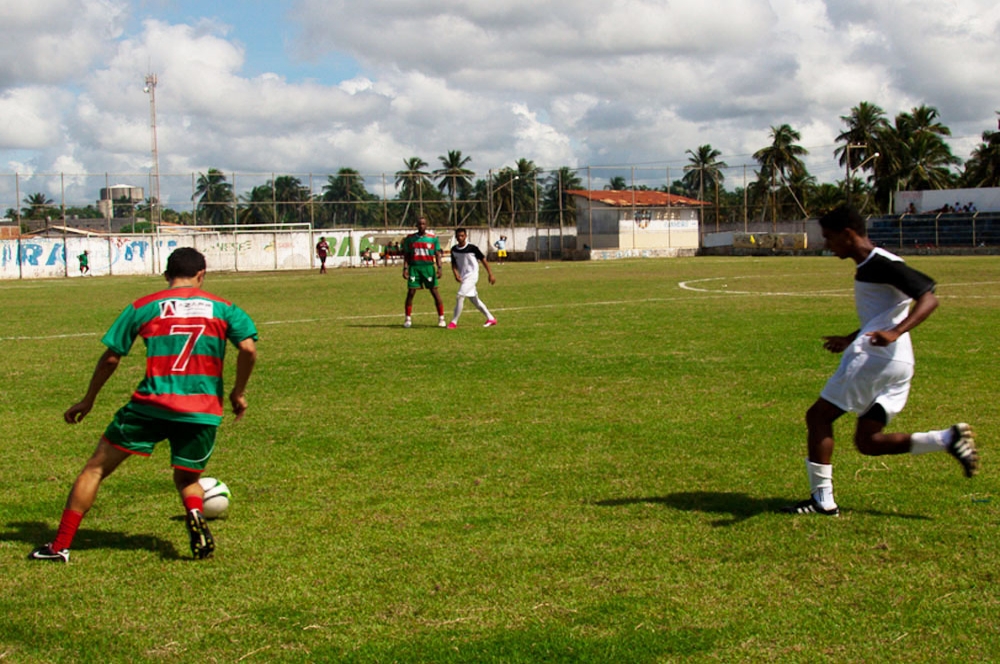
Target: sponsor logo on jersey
[186, 309]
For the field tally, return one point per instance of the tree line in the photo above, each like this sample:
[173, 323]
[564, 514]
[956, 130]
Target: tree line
[879, 157]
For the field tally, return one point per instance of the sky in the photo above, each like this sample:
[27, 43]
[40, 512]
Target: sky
[621, 86]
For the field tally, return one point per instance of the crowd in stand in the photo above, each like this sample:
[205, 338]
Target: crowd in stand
[946, 209]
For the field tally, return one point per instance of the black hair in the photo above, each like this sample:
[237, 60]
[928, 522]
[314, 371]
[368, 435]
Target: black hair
[461, 229]
[844, 217]
[184, 262]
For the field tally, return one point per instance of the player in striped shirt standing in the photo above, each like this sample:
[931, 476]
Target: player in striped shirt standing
[185, 331]
[422, 268]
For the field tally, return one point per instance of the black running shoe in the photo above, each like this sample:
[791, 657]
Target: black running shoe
[47, 553]
[202, 544]
[810, 507]
[963, 448]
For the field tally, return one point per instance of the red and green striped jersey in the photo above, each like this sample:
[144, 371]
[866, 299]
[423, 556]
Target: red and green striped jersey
[420, 249]
[185, 331]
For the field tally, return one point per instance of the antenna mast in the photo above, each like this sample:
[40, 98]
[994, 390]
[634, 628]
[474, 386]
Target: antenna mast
[154, 207]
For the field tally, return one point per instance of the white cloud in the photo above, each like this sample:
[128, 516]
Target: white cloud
[29, 117]
[55, 41]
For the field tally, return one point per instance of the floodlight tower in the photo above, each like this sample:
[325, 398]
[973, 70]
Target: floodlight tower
[154, 207]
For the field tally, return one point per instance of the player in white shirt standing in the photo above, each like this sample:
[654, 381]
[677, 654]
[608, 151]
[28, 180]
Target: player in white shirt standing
[465, 260]
[873, 379]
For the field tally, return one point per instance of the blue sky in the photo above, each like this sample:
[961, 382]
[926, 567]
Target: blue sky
[311, 86]
[267, 34]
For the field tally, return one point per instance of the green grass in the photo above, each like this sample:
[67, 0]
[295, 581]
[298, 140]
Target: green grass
[596, 479]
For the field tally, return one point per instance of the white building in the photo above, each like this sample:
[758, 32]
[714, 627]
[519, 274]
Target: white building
[620, 224]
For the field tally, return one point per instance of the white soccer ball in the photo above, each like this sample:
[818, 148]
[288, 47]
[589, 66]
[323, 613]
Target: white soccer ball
[217, 498]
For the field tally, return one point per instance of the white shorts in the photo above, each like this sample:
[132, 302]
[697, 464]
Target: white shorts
[468, 289]
[863, 380]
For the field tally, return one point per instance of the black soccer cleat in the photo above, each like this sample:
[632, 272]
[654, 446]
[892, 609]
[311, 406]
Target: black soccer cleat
[963, 448]
[810, 506]
[202, 543]
[46, 552]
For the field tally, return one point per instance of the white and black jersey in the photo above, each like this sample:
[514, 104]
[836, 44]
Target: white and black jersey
[884, 288]
[466, 261]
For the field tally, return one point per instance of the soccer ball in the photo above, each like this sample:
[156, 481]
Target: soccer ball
[217, 498]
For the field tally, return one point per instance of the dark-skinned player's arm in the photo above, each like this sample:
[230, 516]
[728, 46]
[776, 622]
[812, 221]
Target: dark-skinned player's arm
[923, 307]
[105, 368]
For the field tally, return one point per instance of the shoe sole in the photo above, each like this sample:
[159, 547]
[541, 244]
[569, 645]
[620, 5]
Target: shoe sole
[810, 507]
[963, 448]
[53, 558]
[202, 542]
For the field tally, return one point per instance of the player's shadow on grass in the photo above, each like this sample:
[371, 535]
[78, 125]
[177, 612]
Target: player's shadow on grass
[35, 533]
[739, 506]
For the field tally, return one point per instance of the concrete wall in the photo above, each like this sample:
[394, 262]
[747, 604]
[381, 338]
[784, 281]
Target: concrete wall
[48, 257]
[42, 257]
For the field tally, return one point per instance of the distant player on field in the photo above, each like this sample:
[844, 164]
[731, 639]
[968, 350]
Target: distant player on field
[422, 268]
[322, 251]
[185, 331]
[465, 260]
[873, 379]
[501, 247]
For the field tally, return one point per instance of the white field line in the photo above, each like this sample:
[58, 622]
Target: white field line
[708, 293]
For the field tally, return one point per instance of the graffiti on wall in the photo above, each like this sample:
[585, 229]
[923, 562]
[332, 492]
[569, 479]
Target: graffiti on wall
[37, 254]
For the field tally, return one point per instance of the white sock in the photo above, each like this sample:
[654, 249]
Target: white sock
[482, 307]
[821, 483]
[459, 305]
[930, 441]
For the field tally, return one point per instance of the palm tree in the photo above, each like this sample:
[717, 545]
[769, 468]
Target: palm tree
[703, 168]
[503, 191]
[258, 207]
[861, 138]
[454, 177]
[37, 204]
[346, 190]
[801, 186]
[215, 198]
[913, 155]
[412, 182]
[780, 160]
[291, 199]
[616, 183]
[557, 205]
[525, 185]
[925, 163]
[783, 156]
[983, 167]
[922, 119]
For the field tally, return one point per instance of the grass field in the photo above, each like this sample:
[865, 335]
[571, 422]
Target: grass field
[596, 479]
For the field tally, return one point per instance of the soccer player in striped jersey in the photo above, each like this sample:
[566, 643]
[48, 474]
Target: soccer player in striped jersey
[185, 331]
[422, 268]
[465, 260]
[873, 379]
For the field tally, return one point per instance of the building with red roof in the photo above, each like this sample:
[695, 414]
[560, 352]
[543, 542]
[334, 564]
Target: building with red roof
[623, 223]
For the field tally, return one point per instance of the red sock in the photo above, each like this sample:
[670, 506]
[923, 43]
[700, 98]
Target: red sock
[68, 526]
[194, 503]
[409, 310]
[440, 310]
